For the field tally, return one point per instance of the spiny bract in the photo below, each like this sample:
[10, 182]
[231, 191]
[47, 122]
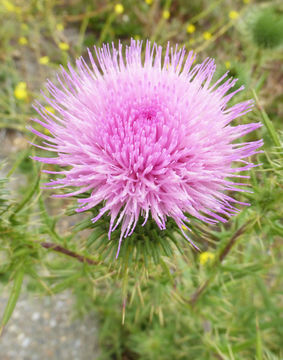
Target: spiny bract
[146, 135]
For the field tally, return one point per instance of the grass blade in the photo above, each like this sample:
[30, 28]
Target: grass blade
[15, 293]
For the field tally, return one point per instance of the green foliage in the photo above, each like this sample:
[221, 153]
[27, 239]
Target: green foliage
[3, 196]
[240, 72]
[267, 29]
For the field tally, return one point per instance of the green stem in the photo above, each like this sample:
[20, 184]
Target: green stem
[67, 252]
[27, 198]
[267, 122]
[106, 28]
[205, 12]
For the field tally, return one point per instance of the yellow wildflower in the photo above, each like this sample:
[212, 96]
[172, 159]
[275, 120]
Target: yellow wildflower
[60, 27]
[207, 35]
[233, 15]
[20, 91]
[191, 28]
[9, 6]
[64, 46]
[23, 40]
[24, 27]
[205, 257]
[227, 64]
[246, 1]
[50, 109]
[166, 14]
[119, 9]
[44, 60]
[149, 2]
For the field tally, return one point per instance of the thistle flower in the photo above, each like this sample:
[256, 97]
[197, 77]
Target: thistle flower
[146, 136]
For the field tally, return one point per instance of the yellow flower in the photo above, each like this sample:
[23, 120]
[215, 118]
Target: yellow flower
[64, 46]
[44, 60]
[50, 109]
[9, 6]
[207, 35]
[149, 2]
[166, 14]
[205, 257]
[246, 1]
[20, 91]
[119, 9]
[23, 40]
[227, 64]
[24, 27]
[191, 28]
[233, 15]
[59, 27]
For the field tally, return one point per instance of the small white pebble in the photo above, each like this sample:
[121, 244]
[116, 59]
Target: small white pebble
[16, 314]
[35, 316]
[13, 328]
[52, 323]
[21, 336]
[46, 315]
[59, 304]
[77, 343]
[25, 342]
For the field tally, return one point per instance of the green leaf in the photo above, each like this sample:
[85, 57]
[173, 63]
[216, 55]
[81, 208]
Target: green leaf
[27, 198]
[258, 342]
[15, 293]
[267, 122]
[66, 283]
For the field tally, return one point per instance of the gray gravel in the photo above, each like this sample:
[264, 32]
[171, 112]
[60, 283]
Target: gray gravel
[42, 329]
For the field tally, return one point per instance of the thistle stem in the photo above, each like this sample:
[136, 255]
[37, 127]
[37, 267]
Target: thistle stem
[67, 252]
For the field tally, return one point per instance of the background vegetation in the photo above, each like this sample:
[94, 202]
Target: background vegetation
[222, 304]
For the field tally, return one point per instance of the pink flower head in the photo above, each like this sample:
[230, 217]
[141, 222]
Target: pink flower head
[147, 135]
